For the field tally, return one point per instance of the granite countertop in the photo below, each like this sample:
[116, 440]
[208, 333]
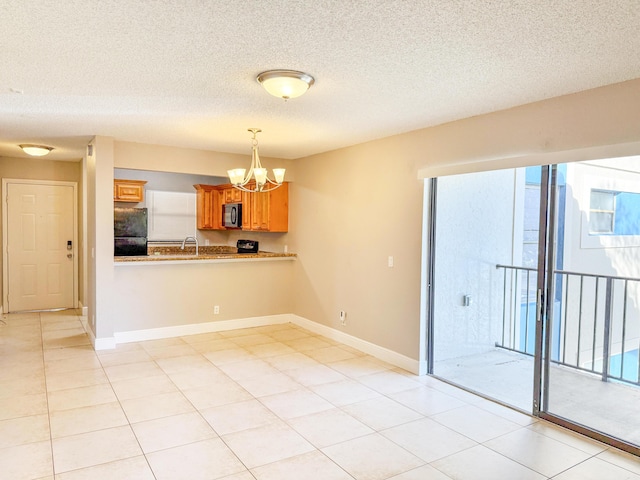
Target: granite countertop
[209, 252]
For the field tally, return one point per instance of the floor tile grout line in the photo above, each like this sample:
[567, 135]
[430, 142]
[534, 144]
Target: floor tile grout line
[285, 421]
[46, 394]
[220, 437]
[101, 429]
[129, 424]
[303, 387]
[306, 388]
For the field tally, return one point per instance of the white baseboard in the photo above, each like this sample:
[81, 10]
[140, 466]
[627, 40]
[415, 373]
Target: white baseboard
[84, 310]
[107, 343]
[196, 328]
[382, 353]
[411, 365]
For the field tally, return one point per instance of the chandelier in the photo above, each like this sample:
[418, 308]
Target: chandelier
[256, 172]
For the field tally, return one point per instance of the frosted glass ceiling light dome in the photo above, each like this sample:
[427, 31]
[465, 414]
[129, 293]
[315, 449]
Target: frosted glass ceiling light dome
[285, 83]
[256, 179]
[35, 150]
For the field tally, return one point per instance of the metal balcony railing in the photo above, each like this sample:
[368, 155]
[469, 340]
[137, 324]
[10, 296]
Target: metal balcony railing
[595, 326]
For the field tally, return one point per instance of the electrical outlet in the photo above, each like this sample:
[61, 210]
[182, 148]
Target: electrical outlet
[216, 310]
[343, 318]
[390, 261]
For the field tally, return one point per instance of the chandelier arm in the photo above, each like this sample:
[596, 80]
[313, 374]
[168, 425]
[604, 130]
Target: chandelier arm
[272, 182]
[247, 177]
[264, 188]
[268, 189]
[243, 188]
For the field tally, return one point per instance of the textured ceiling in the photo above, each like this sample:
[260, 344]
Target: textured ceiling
[182, 72]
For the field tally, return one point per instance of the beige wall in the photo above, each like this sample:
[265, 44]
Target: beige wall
[186, 160]
[40, 169]
[349, 211]
[167, 294]
[104, 306]
[592, 124]
[352, 208]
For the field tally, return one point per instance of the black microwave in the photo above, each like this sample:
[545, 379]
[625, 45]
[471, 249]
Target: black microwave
[232, 215]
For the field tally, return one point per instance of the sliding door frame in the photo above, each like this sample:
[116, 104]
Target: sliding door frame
[431, 271]
[544, 317]
[544, 310]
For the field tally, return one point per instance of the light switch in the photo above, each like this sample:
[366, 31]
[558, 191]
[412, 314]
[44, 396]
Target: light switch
[390, 261]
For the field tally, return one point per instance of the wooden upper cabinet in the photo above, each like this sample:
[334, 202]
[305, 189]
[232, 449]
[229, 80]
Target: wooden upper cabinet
[232, 195]
[261, 212]
[208, 207]
[128, 190]
[268, 211]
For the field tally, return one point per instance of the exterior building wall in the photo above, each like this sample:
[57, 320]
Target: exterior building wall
[474, 233]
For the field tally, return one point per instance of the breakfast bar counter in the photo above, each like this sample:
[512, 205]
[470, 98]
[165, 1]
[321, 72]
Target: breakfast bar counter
[205, 254]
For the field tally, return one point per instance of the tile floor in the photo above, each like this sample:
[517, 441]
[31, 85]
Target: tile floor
[267, 403]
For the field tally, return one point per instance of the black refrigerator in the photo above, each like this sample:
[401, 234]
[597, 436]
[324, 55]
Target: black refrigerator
[130, 231]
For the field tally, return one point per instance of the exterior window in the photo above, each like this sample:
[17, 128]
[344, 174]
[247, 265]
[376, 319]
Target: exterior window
[602, 212]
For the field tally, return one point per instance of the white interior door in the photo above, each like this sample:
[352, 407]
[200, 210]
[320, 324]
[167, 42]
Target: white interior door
[40, 246]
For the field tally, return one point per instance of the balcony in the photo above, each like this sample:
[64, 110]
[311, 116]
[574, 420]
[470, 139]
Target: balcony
[593, 371]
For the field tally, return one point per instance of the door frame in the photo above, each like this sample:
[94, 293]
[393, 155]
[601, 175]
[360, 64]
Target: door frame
[5, 234]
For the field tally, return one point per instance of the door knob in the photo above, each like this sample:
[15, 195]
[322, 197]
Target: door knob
[69, 255]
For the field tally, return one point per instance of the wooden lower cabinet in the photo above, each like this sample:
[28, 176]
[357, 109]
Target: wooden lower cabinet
[261, 212]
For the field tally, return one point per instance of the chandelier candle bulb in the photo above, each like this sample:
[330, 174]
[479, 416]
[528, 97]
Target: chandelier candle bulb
[278, 174]
[261, 175]
[236, 176]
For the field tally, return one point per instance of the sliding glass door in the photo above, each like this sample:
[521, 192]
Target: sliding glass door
[592, 324]
[484, 269]
[535, 291]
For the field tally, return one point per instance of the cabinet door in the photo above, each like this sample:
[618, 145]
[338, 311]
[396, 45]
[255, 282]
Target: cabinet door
[266, 212]
[208, 208]
[232, 195]
[260, 211]
[128, 192]
[279, 209]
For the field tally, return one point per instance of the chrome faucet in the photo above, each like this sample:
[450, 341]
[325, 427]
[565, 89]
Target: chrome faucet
[190, 238]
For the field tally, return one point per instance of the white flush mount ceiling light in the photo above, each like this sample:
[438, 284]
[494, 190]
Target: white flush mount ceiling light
[35, 150]
[256, 172]
[285, 83]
